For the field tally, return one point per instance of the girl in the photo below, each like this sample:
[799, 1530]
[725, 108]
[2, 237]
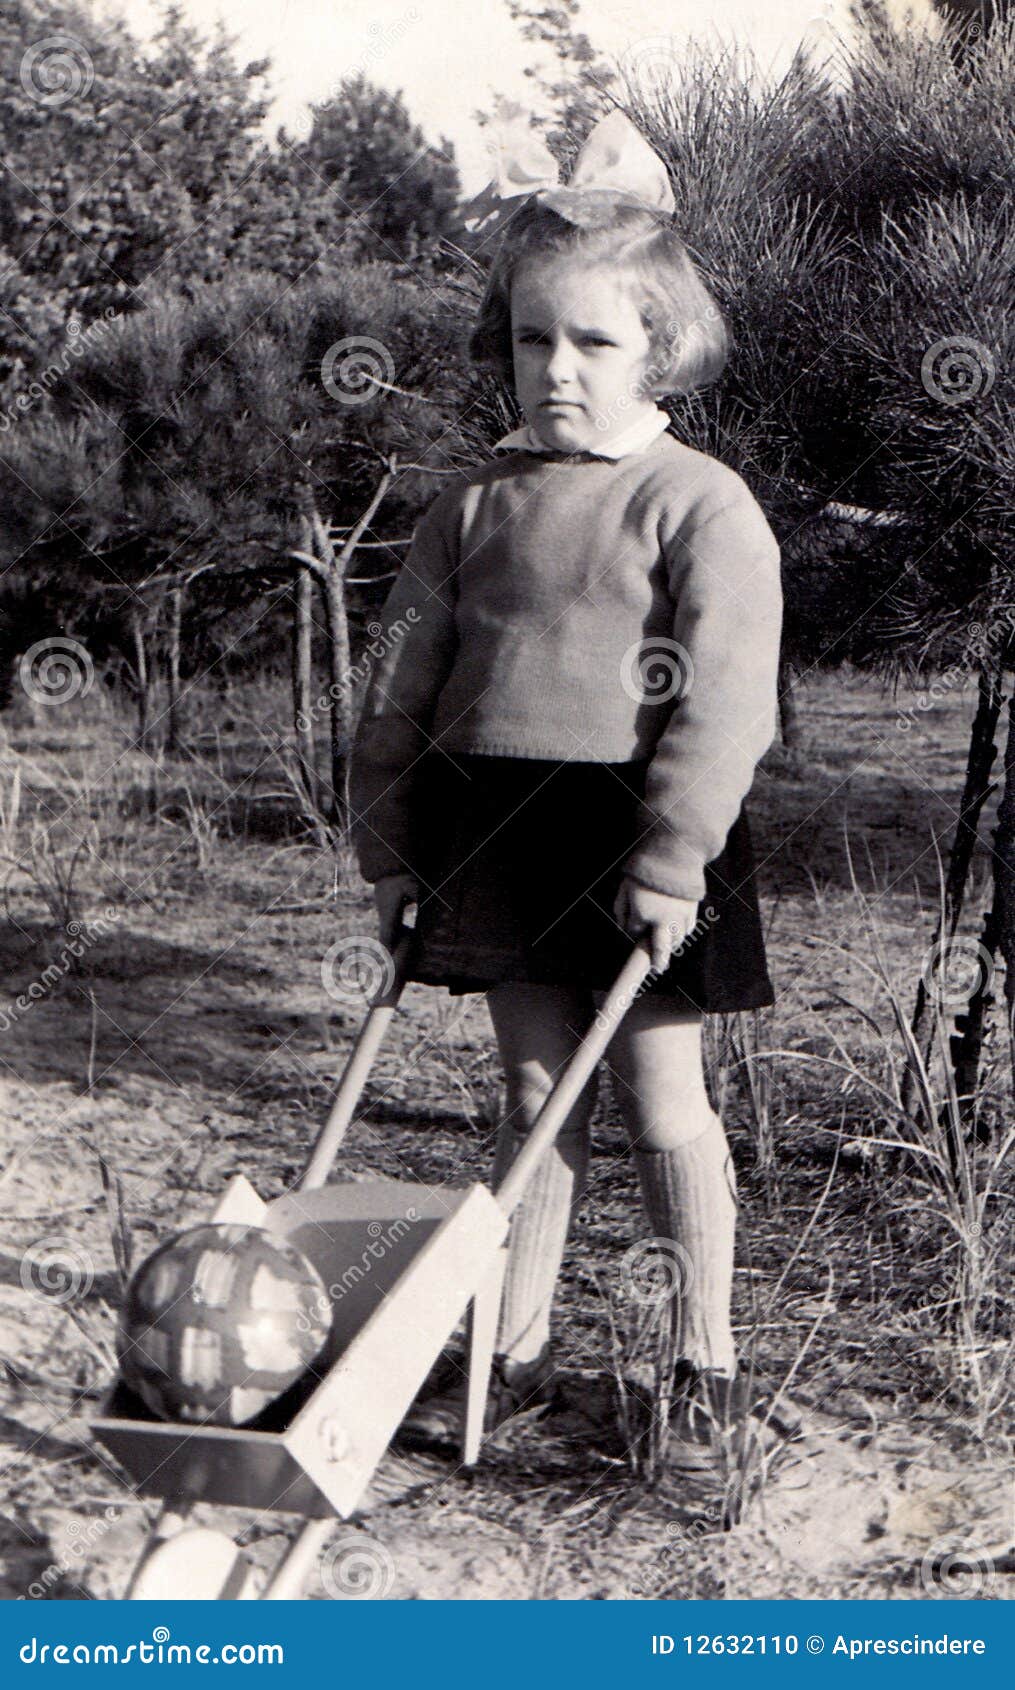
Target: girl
[553, 757]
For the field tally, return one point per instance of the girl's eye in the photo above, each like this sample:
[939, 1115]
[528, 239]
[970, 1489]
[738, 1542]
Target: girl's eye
[533, 339]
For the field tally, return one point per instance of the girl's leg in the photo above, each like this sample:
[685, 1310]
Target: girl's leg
[684, 1168]
[538, 1029]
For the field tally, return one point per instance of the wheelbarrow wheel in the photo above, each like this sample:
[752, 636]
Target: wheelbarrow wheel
[197, 1564]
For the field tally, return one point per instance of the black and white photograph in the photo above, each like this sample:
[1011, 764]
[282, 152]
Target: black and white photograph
[507, 808]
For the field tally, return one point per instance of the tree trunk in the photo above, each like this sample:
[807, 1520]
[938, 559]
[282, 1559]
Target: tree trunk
[1004, 868]
[340, 715]
[143, 678]
[302, 674]
[330, 570]
[966, 1045]
[789, 714]
[173, 668]
[975, 792]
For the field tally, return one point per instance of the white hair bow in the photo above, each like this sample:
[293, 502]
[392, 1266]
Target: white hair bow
[614, 166]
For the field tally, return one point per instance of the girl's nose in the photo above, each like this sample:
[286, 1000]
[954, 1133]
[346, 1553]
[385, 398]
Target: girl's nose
[560, 362]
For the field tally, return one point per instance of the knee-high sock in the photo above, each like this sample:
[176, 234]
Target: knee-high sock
[539, 1229]
[690, 1196]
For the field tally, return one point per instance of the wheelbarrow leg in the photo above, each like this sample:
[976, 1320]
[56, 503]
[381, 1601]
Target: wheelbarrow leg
[183, 1562]
[288, 1578]
[481, 1336]
[170, 1519]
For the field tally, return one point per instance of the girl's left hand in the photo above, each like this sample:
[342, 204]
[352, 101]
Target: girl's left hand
[668, 920]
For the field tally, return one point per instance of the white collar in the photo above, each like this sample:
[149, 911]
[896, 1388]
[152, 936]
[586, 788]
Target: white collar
[637, 438]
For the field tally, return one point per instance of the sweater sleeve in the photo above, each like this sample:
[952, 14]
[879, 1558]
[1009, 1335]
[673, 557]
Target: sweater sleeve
[725, 581]
[418, 640]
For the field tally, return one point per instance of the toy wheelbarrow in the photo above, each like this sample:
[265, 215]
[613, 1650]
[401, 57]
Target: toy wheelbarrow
[403, 1263]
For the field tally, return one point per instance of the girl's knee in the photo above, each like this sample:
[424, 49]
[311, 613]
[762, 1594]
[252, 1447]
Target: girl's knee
[672, 1129]
[661, 1110]
[528, 1088]
[658, 1080]
[538, 1029]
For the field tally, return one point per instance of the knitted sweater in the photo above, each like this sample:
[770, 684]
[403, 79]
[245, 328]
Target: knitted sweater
[586, 609]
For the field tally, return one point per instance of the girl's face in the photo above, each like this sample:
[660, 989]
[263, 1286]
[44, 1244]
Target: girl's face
[580, 353]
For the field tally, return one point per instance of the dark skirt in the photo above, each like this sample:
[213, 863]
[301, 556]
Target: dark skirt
[520, 861]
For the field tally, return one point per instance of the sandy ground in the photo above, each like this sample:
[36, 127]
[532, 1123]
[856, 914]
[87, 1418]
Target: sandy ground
[197, 1041]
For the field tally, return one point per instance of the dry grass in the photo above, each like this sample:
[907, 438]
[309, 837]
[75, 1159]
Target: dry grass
[201, 1043]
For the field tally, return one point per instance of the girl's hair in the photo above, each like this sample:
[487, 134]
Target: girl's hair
[687, 336]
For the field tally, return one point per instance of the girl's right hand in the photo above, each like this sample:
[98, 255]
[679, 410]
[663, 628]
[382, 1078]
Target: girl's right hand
[392, 893]
[666, 921]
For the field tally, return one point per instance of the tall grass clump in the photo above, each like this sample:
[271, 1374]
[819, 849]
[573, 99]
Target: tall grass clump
[941, 1162]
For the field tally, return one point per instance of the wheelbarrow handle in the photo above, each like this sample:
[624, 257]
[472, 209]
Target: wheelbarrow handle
[368, 1042]
[557, 1106]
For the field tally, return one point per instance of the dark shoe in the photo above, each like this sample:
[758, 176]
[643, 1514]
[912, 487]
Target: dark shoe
[438, 1421]
[716, 1418]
